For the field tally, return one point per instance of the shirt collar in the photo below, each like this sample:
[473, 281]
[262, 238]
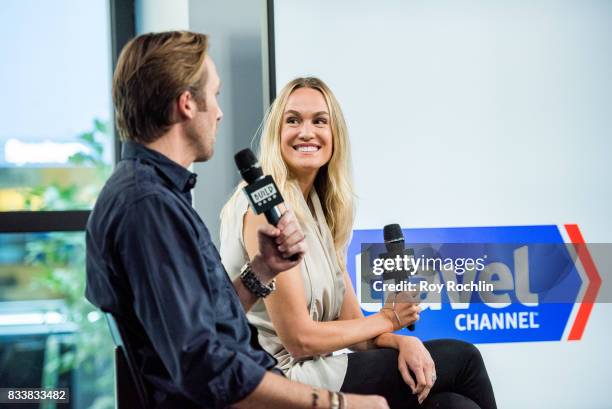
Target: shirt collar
[180, 177]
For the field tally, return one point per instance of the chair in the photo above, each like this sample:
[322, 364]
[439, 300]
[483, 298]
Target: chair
[129, 386]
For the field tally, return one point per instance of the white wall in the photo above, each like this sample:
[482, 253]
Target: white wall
[476, 113]
[488, 112]
[234, 27]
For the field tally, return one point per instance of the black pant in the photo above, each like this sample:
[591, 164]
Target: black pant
[462, 380]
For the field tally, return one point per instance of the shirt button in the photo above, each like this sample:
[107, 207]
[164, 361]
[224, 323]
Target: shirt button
[192, 180]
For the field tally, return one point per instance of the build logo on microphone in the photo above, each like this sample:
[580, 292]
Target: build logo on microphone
[484, 284]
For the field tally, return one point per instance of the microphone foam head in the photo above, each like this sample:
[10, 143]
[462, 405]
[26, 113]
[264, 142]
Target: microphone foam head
[245, 159]
[393, 232]
[247, 164]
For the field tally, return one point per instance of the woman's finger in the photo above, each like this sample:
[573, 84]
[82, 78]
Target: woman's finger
[403, 368]
[429, 381]
[421, 381]
[423, 395]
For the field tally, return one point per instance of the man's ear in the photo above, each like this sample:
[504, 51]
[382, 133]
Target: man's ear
[186, 106]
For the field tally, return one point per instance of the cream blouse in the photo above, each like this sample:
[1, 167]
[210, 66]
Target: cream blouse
[323, 289]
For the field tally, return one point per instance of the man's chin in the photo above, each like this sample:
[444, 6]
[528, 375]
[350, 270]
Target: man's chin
[204, 156]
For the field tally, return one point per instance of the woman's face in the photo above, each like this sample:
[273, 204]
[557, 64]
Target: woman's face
[306, 137]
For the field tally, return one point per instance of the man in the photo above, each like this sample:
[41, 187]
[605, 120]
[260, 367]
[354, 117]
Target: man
[150, 259]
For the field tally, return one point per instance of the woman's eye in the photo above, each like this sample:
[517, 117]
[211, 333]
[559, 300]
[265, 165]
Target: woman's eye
[292, 120]
[321, 121]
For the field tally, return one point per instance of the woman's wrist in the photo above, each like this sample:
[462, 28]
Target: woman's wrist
[387, 340]
[388, 316]
[405, 340]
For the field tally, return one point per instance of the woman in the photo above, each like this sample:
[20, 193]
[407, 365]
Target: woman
[314, 310]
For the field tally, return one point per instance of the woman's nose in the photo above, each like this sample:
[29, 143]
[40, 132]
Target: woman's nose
[306, 131]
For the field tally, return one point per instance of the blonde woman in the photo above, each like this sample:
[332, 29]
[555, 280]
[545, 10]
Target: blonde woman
[314, 310]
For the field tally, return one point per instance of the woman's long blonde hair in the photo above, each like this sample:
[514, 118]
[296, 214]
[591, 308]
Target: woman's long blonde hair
[333, 182]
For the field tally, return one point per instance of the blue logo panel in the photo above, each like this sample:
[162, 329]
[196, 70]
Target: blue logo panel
[552, 276]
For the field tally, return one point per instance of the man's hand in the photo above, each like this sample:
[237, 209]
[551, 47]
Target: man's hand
[277, 245]
[413, 355]
[366, 401]
[275, 391]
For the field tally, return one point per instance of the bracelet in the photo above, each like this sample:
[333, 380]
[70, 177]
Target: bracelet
[315, 397]
[334, 400]
[343, 404]
[253, 284]
[399, 322]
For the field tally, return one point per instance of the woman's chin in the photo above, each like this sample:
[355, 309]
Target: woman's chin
[306, 167]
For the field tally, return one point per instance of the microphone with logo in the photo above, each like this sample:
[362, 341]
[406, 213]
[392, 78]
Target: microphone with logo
[262, 192]
[394, 243]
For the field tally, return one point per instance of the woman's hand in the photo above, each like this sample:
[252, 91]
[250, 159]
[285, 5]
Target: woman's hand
[413, 355]
[400, 311]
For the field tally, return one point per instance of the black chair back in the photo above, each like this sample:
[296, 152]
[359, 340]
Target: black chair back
[131, 393]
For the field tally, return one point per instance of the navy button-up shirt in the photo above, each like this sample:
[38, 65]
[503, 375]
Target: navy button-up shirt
[151, 262]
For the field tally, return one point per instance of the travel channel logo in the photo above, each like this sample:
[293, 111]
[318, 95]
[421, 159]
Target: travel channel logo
[482, 284]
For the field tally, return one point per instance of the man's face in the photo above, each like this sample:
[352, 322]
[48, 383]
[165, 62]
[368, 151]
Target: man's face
[203, 128]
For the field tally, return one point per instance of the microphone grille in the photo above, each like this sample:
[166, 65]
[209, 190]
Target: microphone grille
[248, 166]
[245, 159]
[393, 232]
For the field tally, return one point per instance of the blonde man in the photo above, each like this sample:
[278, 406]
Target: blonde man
[150, 259]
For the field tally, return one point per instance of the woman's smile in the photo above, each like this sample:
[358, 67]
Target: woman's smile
[307, 148]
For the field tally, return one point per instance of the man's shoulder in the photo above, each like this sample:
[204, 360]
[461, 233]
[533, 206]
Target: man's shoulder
[128, 190]
[130, 182]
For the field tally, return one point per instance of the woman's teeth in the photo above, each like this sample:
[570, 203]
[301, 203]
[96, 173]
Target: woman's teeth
[307, 148]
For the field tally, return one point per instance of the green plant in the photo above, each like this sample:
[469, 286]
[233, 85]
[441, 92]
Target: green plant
[61, 259]
[61, 196]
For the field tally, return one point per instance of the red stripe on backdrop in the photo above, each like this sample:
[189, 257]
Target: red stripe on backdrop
[590, 294]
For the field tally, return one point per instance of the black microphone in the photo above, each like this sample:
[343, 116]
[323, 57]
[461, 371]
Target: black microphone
[394, 243]
[262, 192]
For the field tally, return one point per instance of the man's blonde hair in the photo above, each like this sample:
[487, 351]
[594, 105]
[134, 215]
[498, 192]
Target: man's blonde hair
[153, 70]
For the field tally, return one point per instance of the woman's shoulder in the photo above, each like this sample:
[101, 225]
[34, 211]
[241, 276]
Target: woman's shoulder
[232, 217]
[237, 205]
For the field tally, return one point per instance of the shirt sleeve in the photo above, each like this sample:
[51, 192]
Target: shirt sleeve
[174, 300]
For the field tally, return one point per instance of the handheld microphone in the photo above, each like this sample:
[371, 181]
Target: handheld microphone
[262, 192]
[394, 243]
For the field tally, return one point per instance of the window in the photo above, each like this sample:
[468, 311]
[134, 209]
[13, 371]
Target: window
[57, 148]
